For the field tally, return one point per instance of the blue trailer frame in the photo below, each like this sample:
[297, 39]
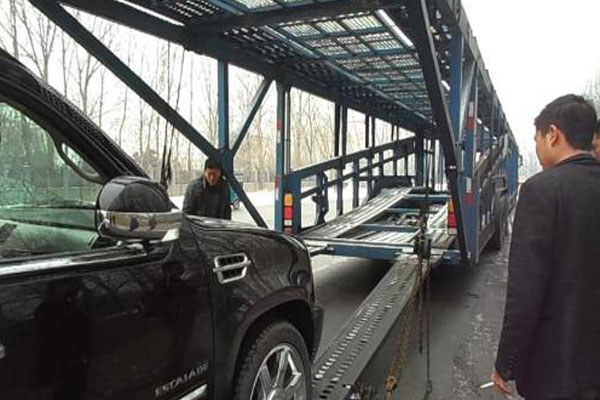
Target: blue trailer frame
[414, 64]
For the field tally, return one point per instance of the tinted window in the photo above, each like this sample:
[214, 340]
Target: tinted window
[47, 193]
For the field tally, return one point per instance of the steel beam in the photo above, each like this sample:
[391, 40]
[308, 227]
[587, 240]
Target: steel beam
[456, 75]
[310, 11]
[221, 49]
[281, 154]
[373, 142]
[337, 129]
[257, 101]
[470, 184]
[223, 104]
[129, 16]
[418, 17]
[337, 132]
[367, 131]
[454, 14]
[344, 131]
[355, 183]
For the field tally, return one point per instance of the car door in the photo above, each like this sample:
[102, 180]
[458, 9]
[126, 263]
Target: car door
[85, 317]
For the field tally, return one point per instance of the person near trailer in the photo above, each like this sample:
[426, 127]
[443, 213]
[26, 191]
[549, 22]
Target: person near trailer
[550, 341]
[208, 195]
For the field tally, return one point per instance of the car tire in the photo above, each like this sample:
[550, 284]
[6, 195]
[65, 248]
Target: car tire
[274, 361]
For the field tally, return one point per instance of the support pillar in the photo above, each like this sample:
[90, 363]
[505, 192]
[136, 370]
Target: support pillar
[470, 185]
[282, 153]
[223, 104]
[420, 160]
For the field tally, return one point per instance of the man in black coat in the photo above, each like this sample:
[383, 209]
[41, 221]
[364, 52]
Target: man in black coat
[550, 342]
[208, 196]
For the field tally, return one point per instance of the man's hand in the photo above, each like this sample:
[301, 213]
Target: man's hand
[501, 384]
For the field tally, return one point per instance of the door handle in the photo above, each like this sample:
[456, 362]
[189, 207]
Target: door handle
[2, 351]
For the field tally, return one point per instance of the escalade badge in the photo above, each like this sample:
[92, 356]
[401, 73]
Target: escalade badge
[181, 380]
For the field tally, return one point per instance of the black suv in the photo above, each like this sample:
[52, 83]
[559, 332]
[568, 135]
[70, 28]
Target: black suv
[107, 292]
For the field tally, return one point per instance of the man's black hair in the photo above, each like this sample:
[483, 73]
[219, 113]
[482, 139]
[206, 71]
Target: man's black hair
[573, 115]
[598, 128]
[212, 164]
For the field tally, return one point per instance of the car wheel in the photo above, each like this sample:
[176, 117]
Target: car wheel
[274, 365]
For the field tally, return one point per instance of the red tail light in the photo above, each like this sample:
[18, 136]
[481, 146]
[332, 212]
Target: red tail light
[288, 212]
[451, 218]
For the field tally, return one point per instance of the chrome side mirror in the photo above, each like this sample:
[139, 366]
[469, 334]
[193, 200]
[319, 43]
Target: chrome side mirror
[131, 207]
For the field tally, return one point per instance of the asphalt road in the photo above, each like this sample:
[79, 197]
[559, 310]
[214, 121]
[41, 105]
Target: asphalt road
[466, 308]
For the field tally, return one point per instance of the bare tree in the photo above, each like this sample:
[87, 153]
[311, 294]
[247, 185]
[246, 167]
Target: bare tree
[41, 36]
[592, 92]
[87, 67]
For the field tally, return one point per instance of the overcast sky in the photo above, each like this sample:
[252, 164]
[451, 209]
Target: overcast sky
[535, 51]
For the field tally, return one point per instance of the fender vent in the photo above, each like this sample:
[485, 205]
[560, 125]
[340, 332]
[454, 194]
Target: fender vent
[231, 267]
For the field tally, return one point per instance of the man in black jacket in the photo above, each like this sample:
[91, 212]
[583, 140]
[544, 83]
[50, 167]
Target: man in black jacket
[208, 196]
[550, 342]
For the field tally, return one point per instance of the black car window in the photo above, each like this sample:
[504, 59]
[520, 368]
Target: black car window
[47, 191]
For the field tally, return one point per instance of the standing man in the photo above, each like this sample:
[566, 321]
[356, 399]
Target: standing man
[208, 196]
[596, 143]
[550, 342]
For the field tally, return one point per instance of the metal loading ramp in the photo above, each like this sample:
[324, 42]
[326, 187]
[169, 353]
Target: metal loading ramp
[340, 365]
[384, 227]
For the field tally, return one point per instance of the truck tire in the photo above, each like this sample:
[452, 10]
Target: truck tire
[274, 363]
[495, 243]
[500, 230]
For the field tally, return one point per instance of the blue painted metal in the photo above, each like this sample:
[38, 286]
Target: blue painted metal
[434, 198]
[469, 184]
[281, 162]
[456, 77]
[344, 131]
[340, 169]
[418, 17]
[355, 183]
[321, 199]
[325, 66]
[513, 172]
[373, 128]
[370, 174]
[387, 253]
[367, 131]
[223, 105]
[420, 161]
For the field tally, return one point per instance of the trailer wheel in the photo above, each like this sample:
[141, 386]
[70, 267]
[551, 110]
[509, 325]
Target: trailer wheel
[495, 243]
[274, 365]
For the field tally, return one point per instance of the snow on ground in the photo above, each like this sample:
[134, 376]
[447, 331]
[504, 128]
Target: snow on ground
[262, 198]
[267, 197]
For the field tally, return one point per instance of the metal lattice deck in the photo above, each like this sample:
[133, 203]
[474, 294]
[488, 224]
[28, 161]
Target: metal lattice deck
[350, 51]
[383, 228]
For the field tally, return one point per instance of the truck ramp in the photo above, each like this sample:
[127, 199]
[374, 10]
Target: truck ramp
[384, 227]
[375, 321]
